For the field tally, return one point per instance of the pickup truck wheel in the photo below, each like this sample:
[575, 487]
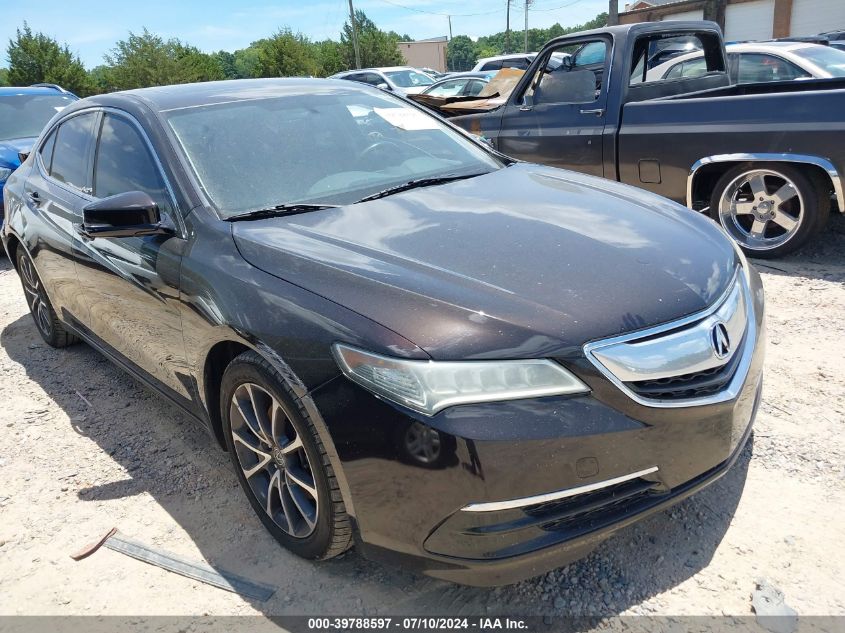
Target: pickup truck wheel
[770, 210]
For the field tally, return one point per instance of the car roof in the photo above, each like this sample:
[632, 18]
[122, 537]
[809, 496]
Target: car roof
[483, 60]
[769, 46]
[478, 74]
[11, 91]
[164, 98]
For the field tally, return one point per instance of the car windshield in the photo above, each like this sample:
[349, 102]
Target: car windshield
[829, 59]
[409, 78]
[317, 148]
[25, 115]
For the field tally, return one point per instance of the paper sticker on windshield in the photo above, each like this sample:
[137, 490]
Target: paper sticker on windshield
[59, 108]
[406, 118]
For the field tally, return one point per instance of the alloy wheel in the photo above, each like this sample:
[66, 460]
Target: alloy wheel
[761, 209]
[273, 460]
[36, 297]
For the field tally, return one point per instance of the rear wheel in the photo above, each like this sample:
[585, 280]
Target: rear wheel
[770, 209]
[281, 462]
[46, 321]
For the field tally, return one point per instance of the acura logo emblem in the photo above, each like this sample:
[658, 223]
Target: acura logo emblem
[720, 341]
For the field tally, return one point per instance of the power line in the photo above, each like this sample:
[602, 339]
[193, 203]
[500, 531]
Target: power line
[461, 15]
[563, 6]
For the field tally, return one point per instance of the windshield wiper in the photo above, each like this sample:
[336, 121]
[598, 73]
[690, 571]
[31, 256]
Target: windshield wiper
[413, 184]
[278, 211]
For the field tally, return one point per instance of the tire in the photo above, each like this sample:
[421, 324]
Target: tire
[46, 320]
[271, 439]
[770, 209]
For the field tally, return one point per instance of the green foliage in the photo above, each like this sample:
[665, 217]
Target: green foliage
[377, 47]
[148, 60]
[227, 64]
[37, 58]
[461, 53]
[286, 54]
[491, 45]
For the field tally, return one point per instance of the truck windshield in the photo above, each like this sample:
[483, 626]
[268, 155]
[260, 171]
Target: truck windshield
[831, 60]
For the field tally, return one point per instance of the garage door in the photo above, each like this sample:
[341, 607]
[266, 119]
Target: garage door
[686, 15]
[814, 16]
[750, 20]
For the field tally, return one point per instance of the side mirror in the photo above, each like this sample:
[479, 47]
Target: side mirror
[384, 86]
[129, 214]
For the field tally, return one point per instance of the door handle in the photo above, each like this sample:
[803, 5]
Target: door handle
[596, 111]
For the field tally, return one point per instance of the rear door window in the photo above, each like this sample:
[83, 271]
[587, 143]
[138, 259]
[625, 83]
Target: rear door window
[758, 68]
[70, 155]
[46, 151]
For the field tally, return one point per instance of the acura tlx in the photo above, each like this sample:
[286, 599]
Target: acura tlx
[405, 341]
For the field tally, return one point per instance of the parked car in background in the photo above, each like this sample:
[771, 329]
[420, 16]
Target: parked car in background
[520, 60]
[434, 74]
[361, 293]
[459, 85]
[399, 79]
[765, 160]
[755, 62]
[23, 114]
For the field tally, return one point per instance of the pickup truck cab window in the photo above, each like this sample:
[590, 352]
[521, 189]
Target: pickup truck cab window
[569, 74]
[656, 58]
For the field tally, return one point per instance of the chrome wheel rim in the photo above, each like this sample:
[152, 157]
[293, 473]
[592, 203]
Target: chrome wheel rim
[422, 443]
[36, 298]
[761, 209]
[273, 460]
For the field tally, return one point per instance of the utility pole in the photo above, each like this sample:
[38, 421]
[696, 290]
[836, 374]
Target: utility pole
[354, 36]
[613, 13]
[450, 26]
[527, 4]
[508, 26]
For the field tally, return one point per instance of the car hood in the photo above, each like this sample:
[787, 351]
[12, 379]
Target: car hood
[9, 151]
[526, 261]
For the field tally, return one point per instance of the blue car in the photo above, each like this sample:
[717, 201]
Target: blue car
[23, 114]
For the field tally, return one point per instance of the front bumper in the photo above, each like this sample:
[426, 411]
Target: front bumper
[417, 511]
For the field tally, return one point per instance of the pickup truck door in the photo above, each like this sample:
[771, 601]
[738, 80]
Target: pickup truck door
[556, 115]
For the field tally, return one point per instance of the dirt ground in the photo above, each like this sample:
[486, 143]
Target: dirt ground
[70, 470]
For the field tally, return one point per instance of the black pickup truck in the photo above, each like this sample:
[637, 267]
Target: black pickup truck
[766, 160]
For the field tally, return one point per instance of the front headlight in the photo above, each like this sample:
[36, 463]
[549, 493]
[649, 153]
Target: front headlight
[5, 172]
[430, 386]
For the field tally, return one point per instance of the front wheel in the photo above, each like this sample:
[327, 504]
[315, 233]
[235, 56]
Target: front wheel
[770, 209]
[281, 462]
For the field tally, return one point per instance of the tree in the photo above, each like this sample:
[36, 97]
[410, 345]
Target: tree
[330, 57]
[377, 47]
[246, 62]
[286, 54]
[227, 64]
[148, 60]
[460, 53]
[37, 58]
[4, 76]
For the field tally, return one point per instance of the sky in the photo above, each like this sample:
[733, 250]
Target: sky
[91, 28]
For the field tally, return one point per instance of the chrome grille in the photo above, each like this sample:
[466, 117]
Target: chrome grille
[683, 362]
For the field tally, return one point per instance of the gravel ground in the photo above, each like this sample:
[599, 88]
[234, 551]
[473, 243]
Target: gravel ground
[84, 448]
